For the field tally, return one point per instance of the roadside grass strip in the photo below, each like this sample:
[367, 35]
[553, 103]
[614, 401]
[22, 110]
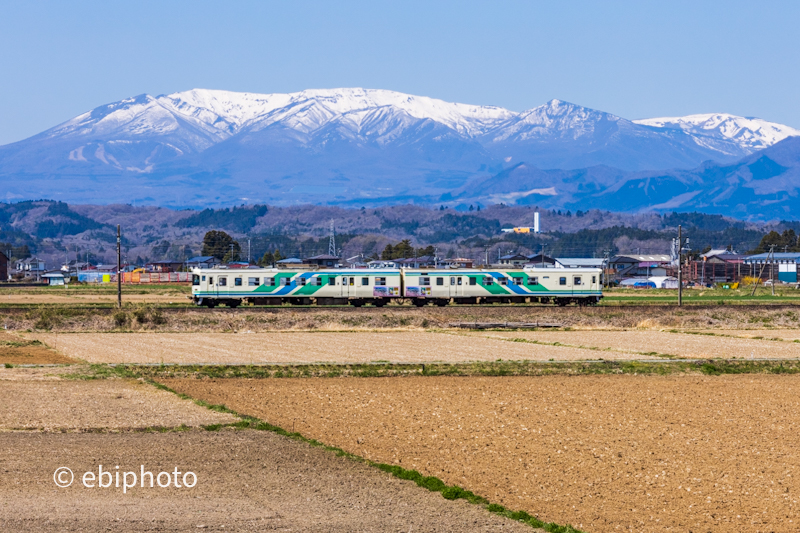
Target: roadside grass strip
[484, 369]
[431, 483]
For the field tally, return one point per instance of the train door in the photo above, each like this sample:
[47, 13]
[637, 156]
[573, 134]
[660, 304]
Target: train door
[348, 286]
[577, 284]
[456, 286]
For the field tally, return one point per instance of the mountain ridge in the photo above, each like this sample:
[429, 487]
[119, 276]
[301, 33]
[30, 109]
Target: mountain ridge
[212, 148]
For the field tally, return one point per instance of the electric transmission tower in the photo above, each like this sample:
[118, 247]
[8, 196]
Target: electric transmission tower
[332, 242]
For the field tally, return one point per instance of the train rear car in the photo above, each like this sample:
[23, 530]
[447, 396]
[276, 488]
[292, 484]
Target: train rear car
[270, 286]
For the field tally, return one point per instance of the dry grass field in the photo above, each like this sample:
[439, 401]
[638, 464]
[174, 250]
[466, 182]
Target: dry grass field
[304, 347]
[663, 342]
[605, 453]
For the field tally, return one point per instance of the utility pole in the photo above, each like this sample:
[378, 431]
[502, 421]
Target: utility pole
[772, 268]
[680, 271]
[542, 255]
[248, 251]
[119, 267]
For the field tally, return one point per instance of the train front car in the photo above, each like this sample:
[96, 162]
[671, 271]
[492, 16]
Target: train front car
[271, 286]
[561, 286]
[581, 286]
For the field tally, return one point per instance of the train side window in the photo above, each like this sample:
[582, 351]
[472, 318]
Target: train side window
[202, 278]
[576, 280]
[533, 280]
[316, 281]
[269, 281]
[253, 282]
[237, 282]
[425, 281]
[364, 282]
[223, 281]
[440, 281]
[473, 281]
[332, 280]
[517, 281]
[594, 280]
[302, 281]
[503, 280]
[459, 280]
[562, 281]
[352, 282]
[380, 282]
[452, 280]
[211, 280]
[488, 280]
[286, 281]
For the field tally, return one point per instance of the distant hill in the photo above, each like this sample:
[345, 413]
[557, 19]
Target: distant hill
[56, 231]
[762, 186]
[205, 148]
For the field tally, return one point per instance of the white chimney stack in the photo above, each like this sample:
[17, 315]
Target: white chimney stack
[536, 222]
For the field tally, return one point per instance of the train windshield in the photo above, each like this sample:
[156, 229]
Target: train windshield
[195, 279]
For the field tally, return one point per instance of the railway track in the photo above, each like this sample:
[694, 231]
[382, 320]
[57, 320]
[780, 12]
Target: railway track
[604, 307]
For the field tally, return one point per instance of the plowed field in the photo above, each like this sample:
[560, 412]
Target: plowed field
[605, 453]
[247, 348]
[91, 405]
[677, 344]
[250, 481]
[19, 351]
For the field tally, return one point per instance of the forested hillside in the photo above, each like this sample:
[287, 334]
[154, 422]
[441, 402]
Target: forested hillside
[58, 232]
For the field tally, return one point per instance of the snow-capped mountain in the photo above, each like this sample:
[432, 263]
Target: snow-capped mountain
[343, 145]
[747, 133]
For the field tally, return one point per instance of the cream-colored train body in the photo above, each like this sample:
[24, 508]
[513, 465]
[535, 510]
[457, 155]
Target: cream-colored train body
[269, 286]
[582, 286]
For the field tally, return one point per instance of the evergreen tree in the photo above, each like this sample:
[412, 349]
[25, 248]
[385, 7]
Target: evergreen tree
[266, 259]
[218, 244]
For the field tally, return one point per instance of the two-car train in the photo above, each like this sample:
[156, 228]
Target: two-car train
[358, 287]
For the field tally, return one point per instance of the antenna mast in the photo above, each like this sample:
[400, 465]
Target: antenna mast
[332, 242]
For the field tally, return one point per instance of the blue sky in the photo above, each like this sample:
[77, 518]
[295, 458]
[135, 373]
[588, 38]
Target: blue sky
[636, 59]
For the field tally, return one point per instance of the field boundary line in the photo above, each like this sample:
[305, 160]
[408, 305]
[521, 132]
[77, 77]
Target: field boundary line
[431, 483]
[478, 369]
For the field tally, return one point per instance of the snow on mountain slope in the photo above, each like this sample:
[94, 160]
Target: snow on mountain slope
[750, 134]
[555, 119]
[202, 117]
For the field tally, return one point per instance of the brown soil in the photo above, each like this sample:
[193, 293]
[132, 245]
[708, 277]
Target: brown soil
[20, 351]
[300, 347]
[91, 405]
[605, 453]
[678, 344]
[246, 481]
